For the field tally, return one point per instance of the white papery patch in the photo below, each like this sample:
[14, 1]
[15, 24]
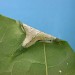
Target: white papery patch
[33, 35]
[60, 71]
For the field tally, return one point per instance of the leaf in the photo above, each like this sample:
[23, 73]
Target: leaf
[55, 58]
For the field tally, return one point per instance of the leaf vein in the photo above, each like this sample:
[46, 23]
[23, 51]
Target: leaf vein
[45, 60]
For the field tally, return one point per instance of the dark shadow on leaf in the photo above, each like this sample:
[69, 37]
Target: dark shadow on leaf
[18, 52]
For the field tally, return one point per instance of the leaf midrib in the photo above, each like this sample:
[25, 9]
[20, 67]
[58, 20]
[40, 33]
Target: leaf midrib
[45, 60]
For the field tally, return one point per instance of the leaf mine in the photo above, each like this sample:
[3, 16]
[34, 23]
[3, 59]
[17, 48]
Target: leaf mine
[33, 35]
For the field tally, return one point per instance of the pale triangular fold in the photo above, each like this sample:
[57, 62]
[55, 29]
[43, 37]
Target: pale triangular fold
[33, 35]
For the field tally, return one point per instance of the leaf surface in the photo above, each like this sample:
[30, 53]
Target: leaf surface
[55, 58]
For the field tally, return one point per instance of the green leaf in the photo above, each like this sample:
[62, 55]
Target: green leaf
[55, 58]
